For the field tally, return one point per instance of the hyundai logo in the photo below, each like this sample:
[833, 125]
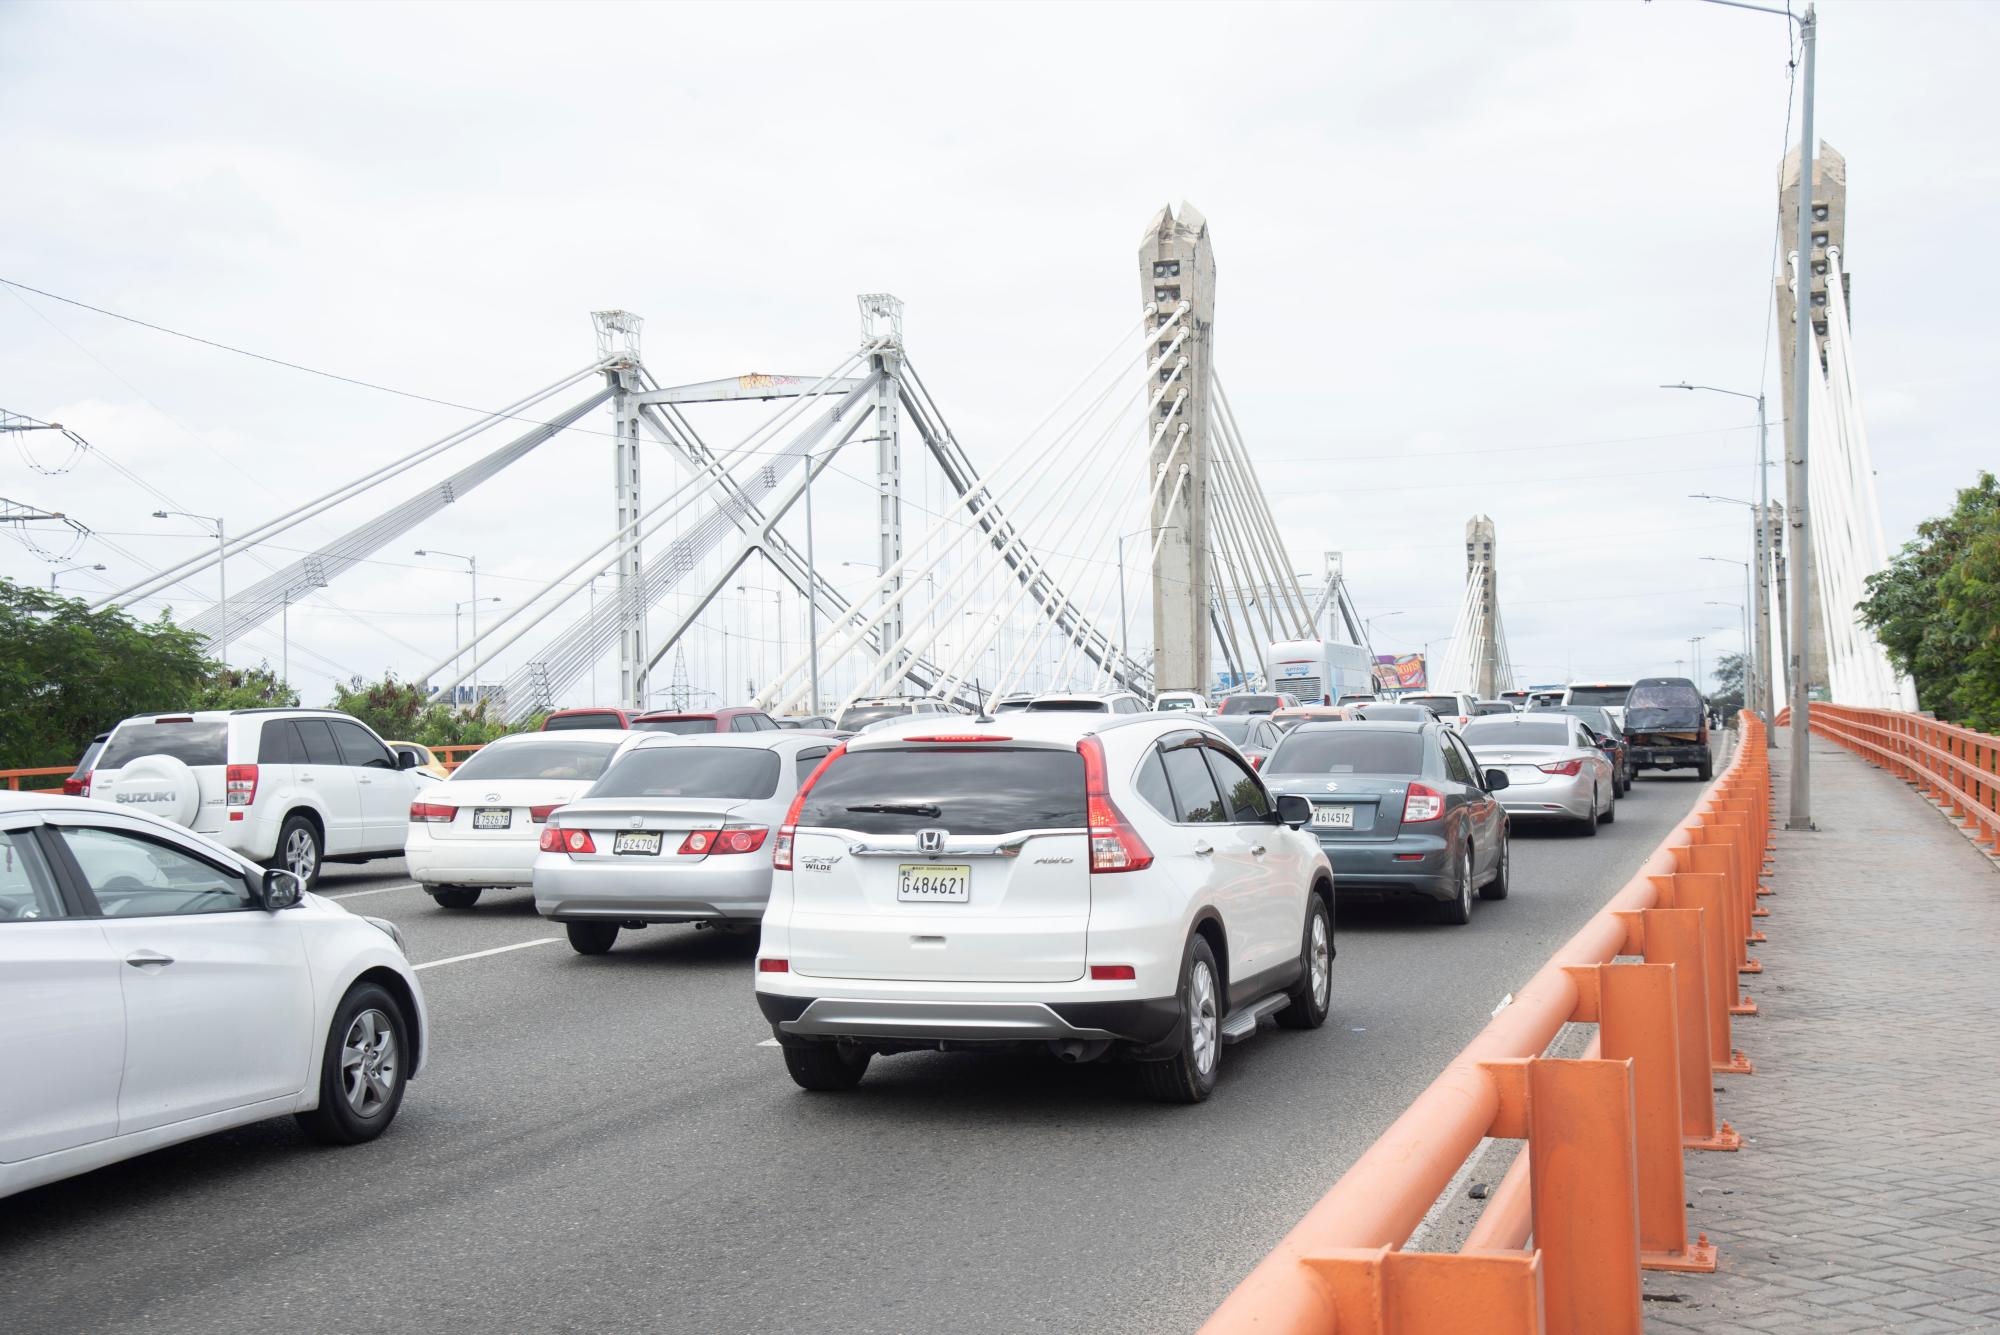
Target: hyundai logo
[931, 841]
[493, 797]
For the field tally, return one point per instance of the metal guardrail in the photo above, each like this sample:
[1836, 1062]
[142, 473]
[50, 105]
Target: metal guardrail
[454, 756]
[1953, 766]
[1599, 1186]
[56, 772]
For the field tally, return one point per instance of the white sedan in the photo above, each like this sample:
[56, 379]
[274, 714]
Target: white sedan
[482, 826]
[157, 987]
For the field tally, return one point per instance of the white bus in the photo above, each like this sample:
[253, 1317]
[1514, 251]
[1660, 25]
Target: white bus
[1318, 672]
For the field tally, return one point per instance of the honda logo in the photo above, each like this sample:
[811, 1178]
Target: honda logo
[931, 841]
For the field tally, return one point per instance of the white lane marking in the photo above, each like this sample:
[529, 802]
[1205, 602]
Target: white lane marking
[769, 1043]
[378, 890]
[481, 954]
[1505, 1002]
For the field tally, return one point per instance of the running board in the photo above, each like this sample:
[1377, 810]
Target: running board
[1244, 1023]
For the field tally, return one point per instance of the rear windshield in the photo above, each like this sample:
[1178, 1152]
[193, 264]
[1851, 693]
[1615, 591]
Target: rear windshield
[1349, 751]
[1234, 726]
[1675, 697]
[966, 791]
[1516, 732]
[682, 727]
[1394, 713]
[538, 760]
[1171, 703]
[1599, 721]
[741, 772]
[1250, 704]
[607, 719]
[1599, 695]
[1489, 707]
[1070, 706]
[854, 720]
[190, 743]
[1437, 704]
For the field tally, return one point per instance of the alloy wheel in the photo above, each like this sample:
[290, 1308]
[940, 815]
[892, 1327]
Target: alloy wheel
[1204, 1036]
[1321, 963]
[368, 1062]
[300, 855]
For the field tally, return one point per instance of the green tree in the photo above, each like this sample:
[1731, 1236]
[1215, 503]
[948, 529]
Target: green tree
[1727, 696]
[1936, 609]
[402, 711]
[68, 673]
[243, 688]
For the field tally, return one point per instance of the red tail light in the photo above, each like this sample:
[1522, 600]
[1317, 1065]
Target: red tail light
[1571, 767]
[781, 847]
[1112, 973]
[1422, 804]
[959, 737]
[239, 782]
[1255, 761]
[1114, 845]
[431, 813]
[555, 839]
[540, 815]
[75, 786]
[773, 966]
[728, 839]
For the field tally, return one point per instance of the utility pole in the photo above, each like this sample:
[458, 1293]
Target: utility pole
[1803, 357]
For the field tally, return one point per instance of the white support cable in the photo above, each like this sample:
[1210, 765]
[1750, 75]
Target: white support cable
[1237, 461]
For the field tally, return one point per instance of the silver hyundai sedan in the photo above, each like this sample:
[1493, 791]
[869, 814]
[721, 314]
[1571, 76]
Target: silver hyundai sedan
[676, 830]
[1554, 768]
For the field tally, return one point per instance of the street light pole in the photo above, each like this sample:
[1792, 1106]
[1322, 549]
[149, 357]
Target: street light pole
[812, 595]
[472, 562]
[221, 574]
[1757, 689]
[55, 575]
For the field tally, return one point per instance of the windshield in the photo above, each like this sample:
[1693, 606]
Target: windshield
[1599, 695]
[680, 727]
[1394, 713]
[1489, 707]
[741, 772]
[189, 742]
[564, 722]
[1600, 722]
[1348, 751]
[859, 717]
[1250, 704]
[1235, 727]
[1069, 707]
[1674, 697]
[554, 760]
[1437, 704]
[983, 791]
[1169, 702]
[1516, 732]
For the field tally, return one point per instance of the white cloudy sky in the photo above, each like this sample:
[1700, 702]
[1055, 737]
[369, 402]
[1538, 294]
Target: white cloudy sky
[1458, 246]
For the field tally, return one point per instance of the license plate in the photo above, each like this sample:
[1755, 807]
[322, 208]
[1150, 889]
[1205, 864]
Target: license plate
[925, 882]
[636, 841]
[492, 818]
[1333, 818]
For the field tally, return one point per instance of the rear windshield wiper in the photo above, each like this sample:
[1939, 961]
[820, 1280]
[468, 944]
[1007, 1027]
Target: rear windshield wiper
[901, 809]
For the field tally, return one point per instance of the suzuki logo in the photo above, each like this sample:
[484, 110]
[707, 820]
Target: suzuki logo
[129, 798]
[931, 841]
[1332, 787]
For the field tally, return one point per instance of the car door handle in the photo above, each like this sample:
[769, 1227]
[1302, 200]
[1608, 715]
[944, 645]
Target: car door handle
[139, 959]
[1257, 850]
[307, 778]
[1203, 850]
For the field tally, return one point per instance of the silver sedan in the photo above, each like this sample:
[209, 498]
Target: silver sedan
[678, 829]
[1554, 768]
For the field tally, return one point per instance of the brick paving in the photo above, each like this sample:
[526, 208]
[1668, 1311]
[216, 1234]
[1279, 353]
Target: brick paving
[1867, 1193]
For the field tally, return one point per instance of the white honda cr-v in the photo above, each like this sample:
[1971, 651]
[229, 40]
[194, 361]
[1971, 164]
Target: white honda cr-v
[1120, 887]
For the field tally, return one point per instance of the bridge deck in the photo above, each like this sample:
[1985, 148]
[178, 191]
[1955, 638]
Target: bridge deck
[1864, 1197]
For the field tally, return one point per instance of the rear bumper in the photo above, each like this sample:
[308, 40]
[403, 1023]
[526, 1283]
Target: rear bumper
[1148, 1022]
[1371, 872]
[730, 887]
[1567, 800]
[1691, 756]
[479, 862]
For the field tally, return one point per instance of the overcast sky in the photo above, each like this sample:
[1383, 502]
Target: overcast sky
[1457, 247]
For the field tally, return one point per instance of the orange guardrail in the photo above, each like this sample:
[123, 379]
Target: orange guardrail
[1953, 766]
[451, 757]
[57, 772]
[1599, 1185]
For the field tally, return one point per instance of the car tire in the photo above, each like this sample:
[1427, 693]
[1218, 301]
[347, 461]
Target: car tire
[1457, 911]
[1589, 829]
[1706, 770]
[1610, 813]
[1312, 996]
[456, 896]
[826, 1068]
[1189, 1075]
[299, 850]
[365, 1069]
[1497, 887]
[592, 938]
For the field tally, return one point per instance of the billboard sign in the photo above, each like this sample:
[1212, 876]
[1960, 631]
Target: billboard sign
[1400, 672]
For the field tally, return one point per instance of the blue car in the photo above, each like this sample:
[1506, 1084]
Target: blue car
[1403, 811]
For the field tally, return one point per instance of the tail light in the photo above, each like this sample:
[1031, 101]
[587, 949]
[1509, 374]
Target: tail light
[1571, 767]
[431, 813]
[1422, 804]
[540, 815]
[239, 783]
[959, 737]
[773, 966]
[555, 839]
[728, 839]
[1112, 973]
[1114, 845]
[1464, 719]
[781, 847]
[1255, 761]
[76, 786]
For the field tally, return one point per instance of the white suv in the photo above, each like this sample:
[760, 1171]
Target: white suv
[1099, 886]
[294, 788]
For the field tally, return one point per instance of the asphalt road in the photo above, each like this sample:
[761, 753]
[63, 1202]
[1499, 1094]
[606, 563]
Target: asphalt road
[607, 1145]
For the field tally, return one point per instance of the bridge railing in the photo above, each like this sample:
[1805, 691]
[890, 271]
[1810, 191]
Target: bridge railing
[1953, 766]
[36, 780]
[1599, 1185]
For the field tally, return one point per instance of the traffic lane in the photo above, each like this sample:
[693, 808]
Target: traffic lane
[602, 1140]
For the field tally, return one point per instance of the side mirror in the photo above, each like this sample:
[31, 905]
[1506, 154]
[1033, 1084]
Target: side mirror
[1496, 779]
[408, 760]
[1294, 810]
[280, 889]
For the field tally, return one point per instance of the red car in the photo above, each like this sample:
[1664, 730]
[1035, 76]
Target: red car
[733, 718]
[563, 719]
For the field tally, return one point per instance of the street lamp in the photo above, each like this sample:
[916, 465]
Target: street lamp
[1760, 615]
[458, 610]
[1742, 628]
[471, 562]
[778, 599]
[221, 575]
[1694, 652]
[55, 575]
[1368, 626]
[1124, 633]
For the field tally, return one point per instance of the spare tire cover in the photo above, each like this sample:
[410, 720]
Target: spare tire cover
[160, 786]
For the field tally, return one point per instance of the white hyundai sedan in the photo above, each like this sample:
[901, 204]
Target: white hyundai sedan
[157, 987]
[482, 826]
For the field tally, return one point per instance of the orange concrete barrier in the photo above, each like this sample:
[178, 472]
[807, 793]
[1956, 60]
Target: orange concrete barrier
[1955, 767]
[1599, 1187]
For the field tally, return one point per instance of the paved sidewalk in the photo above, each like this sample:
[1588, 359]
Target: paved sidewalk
[1867, 1193]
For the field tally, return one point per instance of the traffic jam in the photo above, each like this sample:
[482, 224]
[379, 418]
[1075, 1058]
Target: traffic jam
[1090, 875]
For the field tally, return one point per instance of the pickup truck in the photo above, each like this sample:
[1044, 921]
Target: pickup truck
[1666, 725]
